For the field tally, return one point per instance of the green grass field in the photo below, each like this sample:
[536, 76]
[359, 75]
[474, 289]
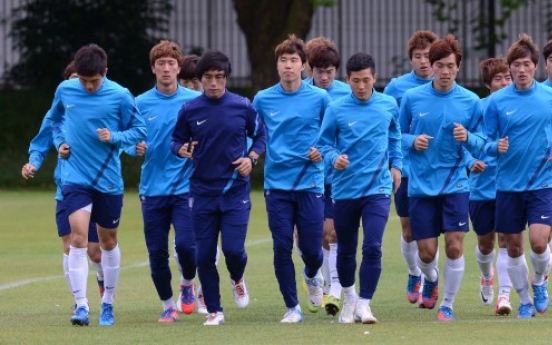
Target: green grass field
[35, 301]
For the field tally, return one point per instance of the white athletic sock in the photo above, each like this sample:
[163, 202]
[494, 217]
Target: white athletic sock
[519, 274]
[485, 262]
[452, 274]
[78, 274]
[410, 253]
[349, 293]
[335, 289]
[540, 266]
[187, 281]
[550, 245]
[430, 271]
[504, 283]
[169, 304]
[66, 271]
[326, 270]
[98, 268]
[111, 261]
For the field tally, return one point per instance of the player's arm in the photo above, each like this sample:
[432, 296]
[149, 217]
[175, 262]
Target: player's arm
[181, 139]
[133, 126]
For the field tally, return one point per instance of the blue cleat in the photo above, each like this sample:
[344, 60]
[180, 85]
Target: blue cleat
[106, 315]
[540, 297]
[430, 294]
[526, 311]
[80, 317]
[445, 314]
[413, 288]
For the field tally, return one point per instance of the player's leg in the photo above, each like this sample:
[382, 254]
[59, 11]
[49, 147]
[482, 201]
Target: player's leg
[95, 256]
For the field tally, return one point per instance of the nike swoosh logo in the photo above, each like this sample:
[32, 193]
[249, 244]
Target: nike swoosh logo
[274, 113]
[461, 223]
[545, 217]
[424, 114]
[70, 106]
[152, 118]
[245, 201]
[199, 123]
[116, 220]
[352, 123]
[319, 196]
[483, 299]
[508, 113]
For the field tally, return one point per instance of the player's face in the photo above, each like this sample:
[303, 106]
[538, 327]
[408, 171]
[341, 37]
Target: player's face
[420, 63]
[523, 72]
[165, 69]
[194, 84]
[499, 81]
[323, 77]
[444, 73]
[214, 83]
[290, 67]
[91, 83]
[362, 83]
[548, 66]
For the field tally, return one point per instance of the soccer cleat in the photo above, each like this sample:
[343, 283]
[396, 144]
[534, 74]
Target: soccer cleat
[413, 288]
[526, 311]
[187, 298]
[445, 314]
[106, 315]
[241, 295]
[324, 300]
[332, 306]
[293, 315]
[168, 316]
[347, 312]
[101, 286]
[80, 317]
[540, 297]
[503, 306]
[215, 319]
[430, 294]
[201, 307]
[486, 289]
[363, 314]
[314, 291]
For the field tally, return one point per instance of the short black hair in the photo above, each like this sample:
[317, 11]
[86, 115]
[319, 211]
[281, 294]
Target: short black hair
[360, 61]
[213, 60]
[90, 60]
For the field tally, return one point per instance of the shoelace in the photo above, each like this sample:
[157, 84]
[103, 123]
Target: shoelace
[239, 289]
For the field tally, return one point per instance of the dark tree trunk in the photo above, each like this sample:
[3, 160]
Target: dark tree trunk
[265, 24]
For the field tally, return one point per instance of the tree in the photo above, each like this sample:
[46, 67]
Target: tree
[47, 33]
[487, 27]
[266, 23]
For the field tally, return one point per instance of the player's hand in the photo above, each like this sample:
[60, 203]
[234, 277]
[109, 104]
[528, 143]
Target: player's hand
[478, 167]
[244, 166]
[314, 155]
[104, 134]
[64, 150]
[396, 176]
[460, 133]
[341, 162]
[421, 143]
[184, 152]
[503, 145]
[141, 148]
[28, 171]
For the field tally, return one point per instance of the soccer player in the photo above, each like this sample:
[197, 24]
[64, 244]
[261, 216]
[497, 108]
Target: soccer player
[418, 53]
[434, 118]
[164, 182]
[98, 117]
[361, 148]
[212, 129]
[38, 149]
[495, 75]
[187, 76]
[547, 54]
[518, 119]
[325, 60]
[294, 174]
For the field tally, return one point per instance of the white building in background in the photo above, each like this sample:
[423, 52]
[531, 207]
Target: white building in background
[380, 28]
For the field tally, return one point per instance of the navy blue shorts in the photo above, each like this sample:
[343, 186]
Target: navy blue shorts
[433, 215]
[106, 208]
[62, 222]
[514, 210]
[401, 199]
[328, 202]
[482, 215]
